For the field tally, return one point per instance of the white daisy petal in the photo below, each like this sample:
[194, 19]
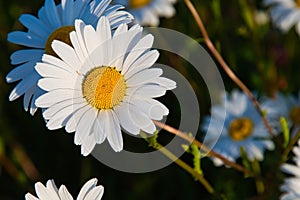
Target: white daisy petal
[91, 38]
[29, 196]
[61, 117]
[150, 91]
[64, 193]
[45, 193]
[53, 97]
[75, 117]
[121, 29]
[165, 82]
[139, 118]
[49, 84]
[103, 29]
[143, 45]
[98, 128]
[84, 125]
[113, 129]
[66, 53]
[124, 115]
[291, 183]
[51, 71]
[144, 62]
[144, 76]
[86, 188]
[96, 193]
[87, 146]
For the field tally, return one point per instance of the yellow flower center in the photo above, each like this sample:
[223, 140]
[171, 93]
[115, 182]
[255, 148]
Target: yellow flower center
[240, 128]
[61, 34]
[295, 115]
[138, 3]
[104, 87]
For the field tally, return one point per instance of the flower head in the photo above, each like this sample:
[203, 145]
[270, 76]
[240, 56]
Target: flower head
[102, 83]
[291, 185]
[54, 22]
[147, 12]
[285, 14]
[243, 128]
[88, 192]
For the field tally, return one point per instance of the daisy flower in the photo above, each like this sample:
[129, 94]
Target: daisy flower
[101, 83]
[283, 106]
[285, 13]
[243, 128]
[88, 192]
[53, 22]
[147, 12]
[291, 184]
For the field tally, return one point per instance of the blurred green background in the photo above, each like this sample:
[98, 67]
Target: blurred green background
[263, 57]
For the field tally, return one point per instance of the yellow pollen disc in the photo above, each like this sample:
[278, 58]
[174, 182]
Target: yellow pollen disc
[240, 128]
[138, 3]
[61, 34]
[104, 87]
[295, 115]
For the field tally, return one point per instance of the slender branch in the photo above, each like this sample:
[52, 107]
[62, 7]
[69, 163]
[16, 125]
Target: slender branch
[203, 147]
[25, 162]
[225, 66]
[181, 164]
[10, 168]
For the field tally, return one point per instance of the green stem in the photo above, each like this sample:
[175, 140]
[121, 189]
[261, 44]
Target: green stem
[290, 146]
[258, 180]
[179, 162]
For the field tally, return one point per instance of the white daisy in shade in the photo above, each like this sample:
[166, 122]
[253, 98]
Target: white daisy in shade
[243, 128]
[287, 106]
[101, 83]
[90, 191]
[53, 22]
[291, 185]
[285, 13]
[147, 12]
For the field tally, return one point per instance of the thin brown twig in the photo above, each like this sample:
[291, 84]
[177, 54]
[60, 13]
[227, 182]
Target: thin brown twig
[10, 168]
[203, 147]
[225, 66]
[25, 162]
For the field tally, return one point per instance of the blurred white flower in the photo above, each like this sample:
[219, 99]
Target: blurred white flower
[243, 127]
[101, 83]
[291, 185]
[53, 22]
[285, 14]
[88, 192]
[261, 17]
[147, 12]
